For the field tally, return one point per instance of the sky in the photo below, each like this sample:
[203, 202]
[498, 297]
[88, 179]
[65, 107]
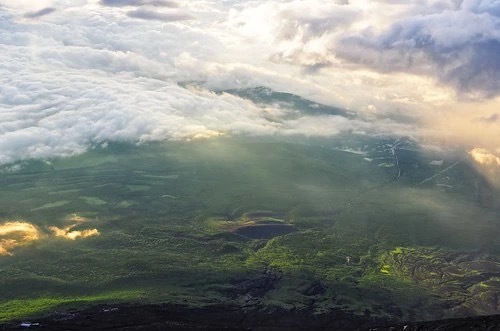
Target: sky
[75, 74]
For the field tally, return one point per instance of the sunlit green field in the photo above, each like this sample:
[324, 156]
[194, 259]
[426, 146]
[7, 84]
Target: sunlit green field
[188, 221]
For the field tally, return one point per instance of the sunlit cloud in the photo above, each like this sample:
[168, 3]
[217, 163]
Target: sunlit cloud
[73, 234]
[70, 233]
[206, 134]
[484, 157]
[15, 234]
[487, 162]
[470, 124]
[76, 218]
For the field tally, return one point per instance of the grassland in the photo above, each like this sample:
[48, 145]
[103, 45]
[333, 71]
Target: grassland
[167, 215]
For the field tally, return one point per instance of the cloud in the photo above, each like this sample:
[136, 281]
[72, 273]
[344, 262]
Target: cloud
[78, 87]
[146, 14]
[15, 234]
[123, 3]
[457, 43]
[302, 33]
[484, 157]
[68, 233]
[490, 119]
[94, 73]
[40, 13]
[453, 42]
[27, 5]
[487, 162]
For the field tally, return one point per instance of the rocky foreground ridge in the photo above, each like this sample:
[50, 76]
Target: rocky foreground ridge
[227, 317]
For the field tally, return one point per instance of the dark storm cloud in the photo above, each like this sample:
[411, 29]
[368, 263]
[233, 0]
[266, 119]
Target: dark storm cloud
[136, 3]
[459, 47]
[40, 13]
[159, 16]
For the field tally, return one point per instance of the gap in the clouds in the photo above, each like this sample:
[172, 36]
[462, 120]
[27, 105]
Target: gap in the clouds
[265, 96]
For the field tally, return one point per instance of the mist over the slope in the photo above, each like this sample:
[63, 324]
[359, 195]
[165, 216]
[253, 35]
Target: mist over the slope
[76, 74]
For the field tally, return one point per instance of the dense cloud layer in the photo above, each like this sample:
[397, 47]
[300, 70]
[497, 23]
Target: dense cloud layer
[122, 3]
[76, 74]
[457, 42]
[160, 16]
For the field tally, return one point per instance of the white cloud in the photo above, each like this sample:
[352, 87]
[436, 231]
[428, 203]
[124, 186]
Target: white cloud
[483, 156]
[27, 5]
[89, 73]
[167, 16]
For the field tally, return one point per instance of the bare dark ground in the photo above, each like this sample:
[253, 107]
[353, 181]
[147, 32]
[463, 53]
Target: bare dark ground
[227, 317]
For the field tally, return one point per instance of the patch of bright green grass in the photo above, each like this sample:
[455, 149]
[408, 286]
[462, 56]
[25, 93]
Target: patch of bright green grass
[24, 308]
